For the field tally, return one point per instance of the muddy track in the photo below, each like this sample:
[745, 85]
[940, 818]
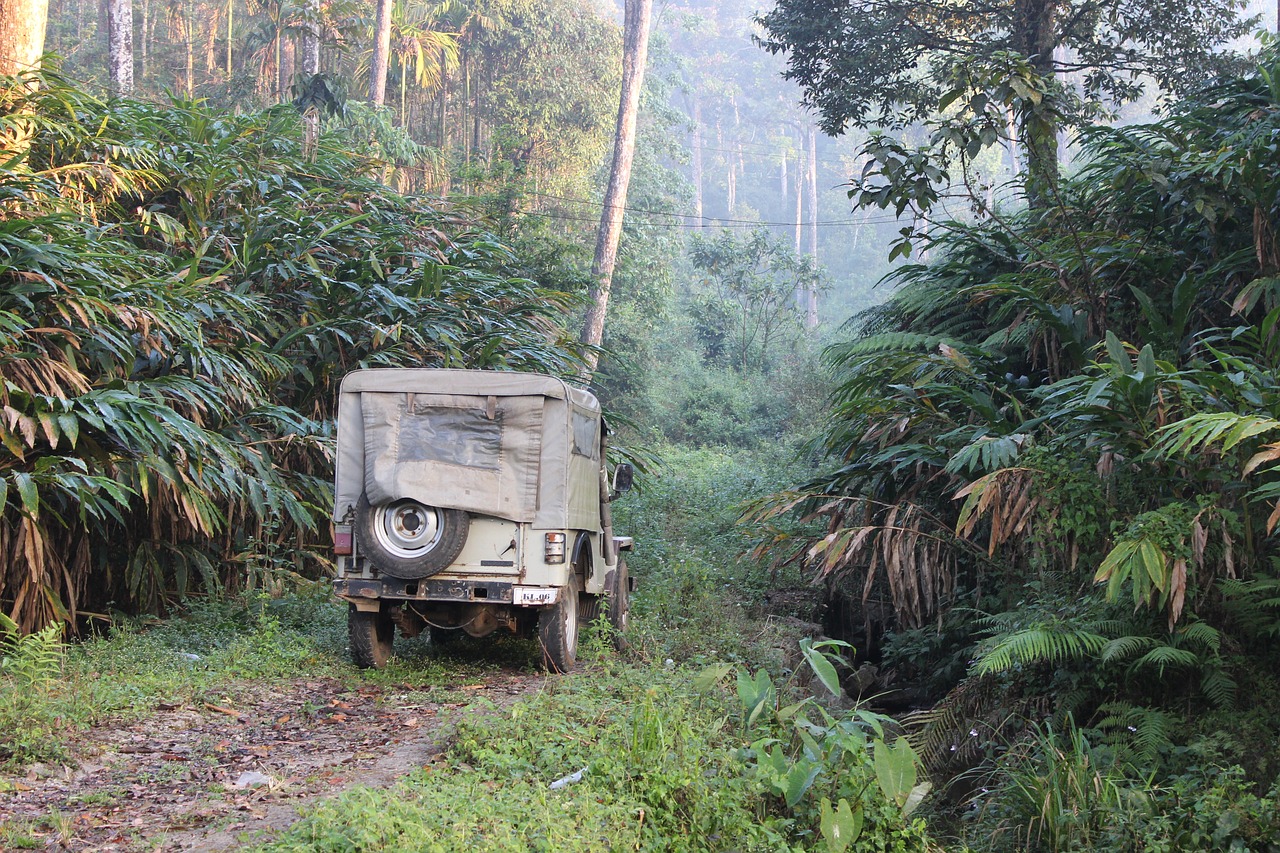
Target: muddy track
[210, 776]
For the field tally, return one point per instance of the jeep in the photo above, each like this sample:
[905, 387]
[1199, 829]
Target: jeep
[471, 501]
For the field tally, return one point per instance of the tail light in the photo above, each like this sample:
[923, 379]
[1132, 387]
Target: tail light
[342, 544]
[555, 548]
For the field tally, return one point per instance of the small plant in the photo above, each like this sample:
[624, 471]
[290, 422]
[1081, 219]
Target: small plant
[30, 661]
[843, 774]
[30, 665]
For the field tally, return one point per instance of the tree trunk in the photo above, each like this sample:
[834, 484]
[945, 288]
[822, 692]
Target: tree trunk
[284, 69]
[231, 20]
[211, 47]
[22, 26]
[144, 63]
[799, 203]
[811, 302]
[731, 179]
[475, 118]
[697, 159]
[310, 68]
[381, 50]
[801, 296]
[311, 39]
[464, 103]
[189, 37]
[120, 46]
[443, 130]
[1038, 129]
[635, 49]
[404, 94]
[1012, 121]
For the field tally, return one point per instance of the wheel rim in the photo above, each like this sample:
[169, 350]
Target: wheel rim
[406, 528]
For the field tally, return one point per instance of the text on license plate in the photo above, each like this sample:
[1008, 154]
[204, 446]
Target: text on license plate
[534, 595]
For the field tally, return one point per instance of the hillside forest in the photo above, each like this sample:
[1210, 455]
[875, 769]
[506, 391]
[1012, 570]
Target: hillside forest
[945, 339]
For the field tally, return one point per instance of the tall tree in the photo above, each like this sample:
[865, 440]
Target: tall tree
[22, 26]
[381, 52]
[311, 39]
[811, 184]
[120, 46]
[887, 62]
[635, 52]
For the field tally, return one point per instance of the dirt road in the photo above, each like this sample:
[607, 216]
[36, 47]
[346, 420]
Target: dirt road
[210, 775]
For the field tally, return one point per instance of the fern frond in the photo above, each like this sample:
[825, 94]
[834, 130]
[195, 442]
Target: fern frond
[1047, 643]
[1202, 635]
[1124, 648]
[1218, 687]
[1144, 731]
[1162, 657]
[34, 660]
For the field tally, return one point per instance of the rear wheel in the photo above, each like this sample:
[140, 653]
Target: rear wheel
[619, 596]
[371, 635]
[558, 629]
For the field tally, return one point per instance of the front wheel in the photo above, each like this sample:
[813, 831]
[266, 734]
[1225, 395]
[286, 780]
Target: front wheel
[371, 635]
[558, 629]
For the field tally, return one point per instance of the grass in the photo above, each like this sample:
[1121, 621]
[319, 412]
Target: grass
[699, 594]
[660, 774]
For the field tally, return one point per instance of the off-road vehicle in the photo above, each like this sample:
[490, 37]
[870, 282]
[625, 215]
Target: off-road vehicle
[474, 501]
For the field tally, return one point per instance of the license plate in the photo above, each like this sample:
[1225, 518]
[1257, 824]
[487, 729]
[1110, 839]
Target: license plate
[535, 595]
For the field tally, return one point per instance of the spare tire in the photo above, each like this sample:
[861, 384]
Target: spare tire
[410, 540]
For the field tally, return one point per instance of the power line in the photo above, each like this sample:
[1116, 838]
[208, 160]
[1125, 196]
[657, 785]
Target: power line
[708, 219]
[761, 150]
[710, 223]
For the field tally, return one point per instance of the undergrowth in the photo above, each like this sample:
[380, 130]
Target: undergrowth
[623, 757]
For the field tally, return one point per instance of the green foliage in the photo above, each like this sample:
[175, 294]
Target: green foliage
[1070, 428]
[807, 758]
[978, 73]
[1056, 794]
[180, 293]
[1059, 792]
[749, 308]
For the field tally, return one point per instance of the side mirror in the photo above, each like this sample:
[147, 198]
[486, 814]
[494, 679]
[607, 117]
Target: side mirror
[623, 475]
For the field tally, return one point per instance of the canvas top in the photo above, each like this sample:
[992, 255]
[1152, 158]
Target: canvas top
[448, 381]
[519, 446]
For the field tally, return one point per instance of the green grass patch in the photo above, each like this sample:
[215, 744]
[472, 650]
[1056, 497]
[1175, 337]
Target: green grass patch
[699, 589]
[659, 773]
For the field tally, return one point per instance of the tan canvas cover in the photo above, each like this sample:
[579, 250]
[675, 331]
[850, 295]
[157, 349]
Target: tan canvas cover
[519, 446]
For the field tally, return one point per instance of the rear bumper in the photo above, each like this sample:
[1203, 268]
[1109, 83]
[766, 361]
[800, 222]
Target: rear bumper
[430, 589]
